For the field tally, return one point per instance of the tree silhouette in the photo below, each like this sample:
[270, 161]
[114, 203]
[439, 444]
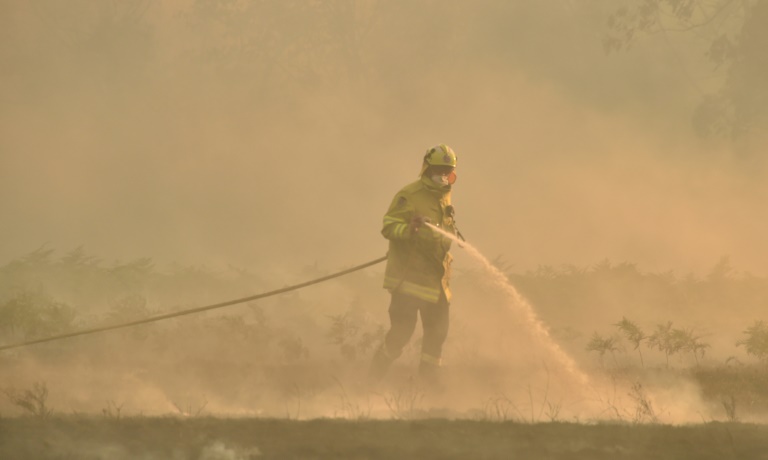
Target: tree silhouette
[756, 342]
[603, 345]
[634, 334]
[734, 32]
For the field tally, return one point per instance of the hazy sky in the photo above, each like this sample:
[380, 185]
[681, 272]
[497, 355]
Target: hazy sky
[273, 138]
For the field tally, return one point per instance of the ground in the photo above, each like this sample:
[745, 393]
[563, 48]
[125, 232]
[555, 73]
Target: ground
[208, 438]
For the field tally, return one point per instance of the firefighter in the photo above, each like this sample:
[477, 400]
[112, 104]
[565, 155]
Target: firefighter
[419, 264]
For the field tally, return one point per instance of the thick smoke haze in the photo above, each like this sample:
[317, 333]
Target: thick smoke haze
[261, 136]
[264, 140]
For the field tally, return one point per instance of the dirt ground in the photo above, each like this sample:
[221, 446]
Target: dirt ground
[207, 438]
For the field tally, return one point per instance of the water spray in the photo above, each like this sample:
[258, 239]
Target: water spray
[520, 305]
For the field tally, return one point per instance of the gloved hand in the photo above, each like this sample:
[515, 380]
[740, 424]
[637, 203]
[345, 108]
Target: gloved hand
[417, 222]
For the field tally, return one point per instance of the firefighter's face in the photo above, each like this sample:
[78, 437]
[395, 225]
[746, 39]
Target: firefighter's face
[443, 175]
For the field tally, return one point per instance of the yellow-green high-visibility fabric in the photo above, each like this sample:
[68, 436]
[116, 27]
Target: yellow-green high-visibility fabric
[419, 263]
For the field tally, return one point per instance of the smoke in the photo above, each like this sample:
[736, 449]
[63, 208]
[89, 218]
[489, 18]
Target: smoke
[61, 444]
[219, 451]
[527, 322]
[269, 138]
[532, 365]
[156, 140]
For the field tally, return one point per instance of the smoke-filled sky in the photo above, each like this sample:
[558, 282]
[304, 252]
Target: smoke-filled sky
[272, 135]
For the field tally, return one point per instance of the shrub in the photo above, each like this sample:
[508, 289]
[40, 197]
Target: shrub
[634, 335]
[756, 342]
[603, 345]
[671, 341]
[32, 314]
[33, 400]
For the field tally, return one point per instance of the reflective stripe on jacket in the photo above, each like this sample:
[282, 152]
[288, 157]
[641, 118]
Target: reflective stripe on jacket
[419, 263]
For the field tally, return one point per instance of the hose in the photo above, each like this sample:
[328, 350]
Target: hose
[190, 311]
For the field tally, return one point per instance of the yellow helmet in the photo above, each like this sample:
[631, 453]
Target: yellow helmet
[439, 155]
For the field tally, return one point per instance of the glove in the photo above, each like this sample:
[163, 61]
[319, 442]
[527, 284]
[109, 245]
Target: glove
[417, 222]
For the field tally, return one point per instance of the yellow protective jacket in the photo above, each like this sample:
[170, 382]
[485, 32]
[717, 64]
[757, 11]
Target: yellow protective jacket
[419, 263]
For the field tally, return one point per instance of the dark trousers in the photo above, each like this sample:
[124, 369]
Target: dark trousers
[403, 314]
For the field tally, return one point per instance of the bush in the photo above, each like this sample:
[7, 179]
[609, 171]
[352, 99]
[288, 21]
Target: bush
[756, 342]
[32, 314]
